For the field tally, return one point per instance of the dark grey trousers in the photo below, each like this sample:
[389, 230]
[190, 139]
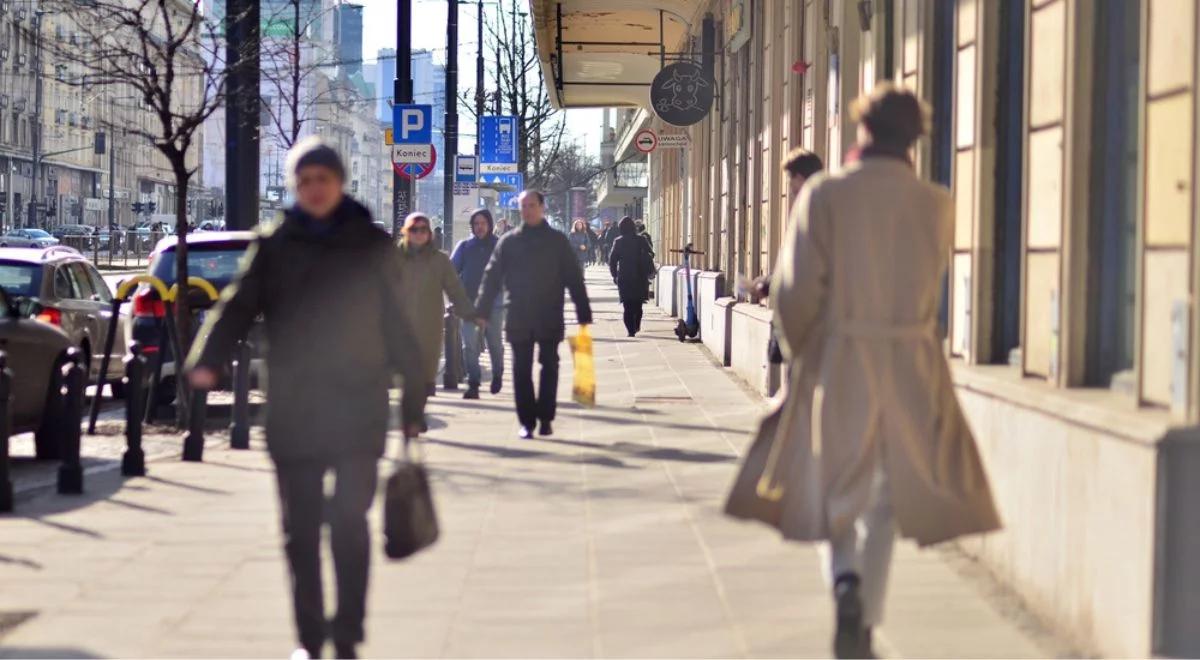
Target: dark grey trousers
[304, 507]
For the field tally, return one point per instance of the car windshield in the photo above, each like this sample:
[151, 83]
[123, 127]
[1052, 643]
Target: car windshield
[215, 262]
[20, 280]
[38, 233]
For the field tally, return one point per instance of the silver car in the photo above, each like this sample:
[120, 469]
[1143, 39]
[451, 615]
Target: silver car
[27, 238]
[59, 286]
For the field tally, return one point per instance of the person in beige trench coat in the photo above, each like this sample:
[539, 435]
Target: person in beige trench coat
[869, 438]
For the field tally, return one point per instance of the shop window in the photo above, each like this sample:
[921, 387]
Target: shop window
[1113, 237]
[942, 138]
[1010, 130]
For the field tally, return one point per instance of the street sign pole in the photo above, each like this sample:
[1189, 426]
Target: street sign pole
[402, 188]
[451, 125]
[242, 114]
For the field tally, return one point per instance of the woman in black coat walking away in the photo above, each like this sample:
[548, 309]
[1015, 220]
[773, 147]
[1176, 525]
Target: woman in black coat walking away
[631, 266]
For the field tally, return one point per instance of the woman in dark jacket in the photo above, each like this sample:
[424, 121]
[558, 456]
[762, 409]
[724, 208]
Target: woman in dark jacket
[630, 264]
[581, 242]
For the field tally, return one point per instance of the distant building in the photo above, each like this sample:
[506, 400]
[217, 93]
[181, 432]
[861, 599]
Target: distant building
[385, 76]
[429, 87]
[348, 37]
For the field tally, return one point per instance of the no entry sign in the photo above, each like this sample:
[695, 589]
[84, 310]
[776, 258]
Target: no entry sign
[645, 141]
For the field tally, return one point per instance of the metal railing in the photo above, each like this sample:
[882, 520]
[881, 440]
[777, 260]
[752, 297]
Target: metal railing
[119, 248]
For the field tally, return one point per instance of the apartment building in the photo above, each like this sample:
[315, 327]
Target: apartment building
[1067, 132]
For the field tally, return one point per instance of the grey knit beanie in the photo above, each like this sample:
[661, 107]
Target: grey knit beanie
[313, 151]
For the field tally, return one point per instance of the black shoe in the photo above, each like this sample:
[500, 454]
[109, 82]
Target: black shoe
[472, 392]
[632, 334]
[546, 429]
[525, 433]
[851, 639]
[345, 650]
[497, 383]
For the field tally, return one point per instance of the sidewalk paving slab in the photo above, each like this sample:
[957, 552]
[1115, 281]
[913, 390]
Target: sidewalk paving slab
[604, 541]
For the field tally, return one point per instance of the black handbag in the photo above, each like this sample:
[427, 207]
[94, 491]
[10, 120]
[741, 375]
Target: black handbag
[409, 520]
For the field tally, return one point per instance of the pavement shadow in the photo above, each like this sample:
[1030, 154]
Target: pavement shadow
[45, 652]
[516, 452]
[41, 503]
[621, 421]
[649, 452]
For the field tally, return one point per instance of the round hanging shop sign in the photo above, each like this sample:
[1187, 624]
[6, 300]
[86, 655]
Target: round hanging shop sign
[682, 94]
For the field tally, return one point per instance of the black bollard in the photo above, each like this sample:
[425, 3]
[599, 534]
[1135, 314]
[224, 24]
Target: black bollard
[156, 374]
[239, 428]
[193, 440]
[6, 487]
[133, 462]
[70, 473]
[109, 341]
[452, 374]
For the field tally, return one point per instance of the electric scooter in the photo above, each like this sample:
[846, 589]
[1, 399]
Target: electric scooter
[689, 326]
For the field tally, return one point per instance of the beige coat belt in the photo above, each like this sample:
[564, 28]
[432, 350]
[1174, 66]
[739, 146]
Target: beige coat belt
[876, 331]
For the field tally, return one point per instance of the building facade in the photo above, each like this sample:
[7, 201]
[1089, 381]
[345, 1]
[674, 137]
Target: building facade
[348, 35]
[1067, 132]
[73, 124]
[429, 88]
[385, 78]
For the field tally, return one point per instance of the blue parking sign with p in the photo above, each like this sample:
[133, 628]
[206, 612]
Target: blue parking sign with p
[412, 124]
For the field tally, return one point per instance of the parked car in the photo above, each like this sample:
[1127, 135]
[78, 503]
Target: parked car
[214, 256]
[211, 225]
[35, 352]
[72, 230]
[62, 288]
[28, 238]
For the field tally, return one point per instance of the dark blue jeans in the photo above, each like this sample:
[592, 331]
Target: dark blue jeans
[473, 345]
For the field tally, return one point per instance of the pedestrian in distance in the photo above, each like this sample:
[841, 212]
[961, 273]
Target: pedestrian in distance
[322, 277]
[426, 275]
[800, 165]
[641, 230]
[581, 243]
[871, 441]
[599, 255]
[631, 264]
[439, 239]
[535, 263]
[608, 237]
[470, 258]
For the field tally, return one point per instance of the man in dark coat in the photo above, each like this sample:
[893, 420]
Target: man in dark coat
[470, 258]
[631, 264]
[324, 281]
[534, 263]
[611, 232]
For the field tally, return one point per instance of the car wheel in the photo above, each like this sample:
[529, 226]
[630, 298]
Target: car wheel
[48, 439]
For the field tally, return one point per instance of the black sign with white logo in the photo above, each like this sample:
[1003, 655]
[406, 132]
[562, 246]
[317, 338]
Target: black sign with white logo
[682, 94]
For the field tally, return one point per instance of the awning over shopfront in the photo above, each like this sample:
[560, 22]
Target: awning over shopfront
[604, 53]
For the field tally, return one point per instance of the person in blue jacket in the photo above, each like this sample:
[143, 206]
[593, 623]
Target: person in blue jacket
[470, 257]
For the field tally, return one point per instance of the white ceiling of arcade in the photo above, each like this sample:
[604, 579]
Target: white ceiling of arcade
[611, 49]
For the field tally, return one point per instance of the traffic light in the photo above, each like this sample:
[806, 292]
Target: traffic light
[137, 207]
[151, 206]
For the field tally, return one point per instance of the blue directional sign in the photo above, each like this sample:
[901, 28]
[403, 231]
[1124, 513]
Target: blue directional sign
[508, 200]
[497, 140]
[412, 124]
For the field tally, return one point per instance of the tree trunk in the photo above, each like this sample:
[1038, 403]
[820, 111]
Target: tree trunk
[183, 311]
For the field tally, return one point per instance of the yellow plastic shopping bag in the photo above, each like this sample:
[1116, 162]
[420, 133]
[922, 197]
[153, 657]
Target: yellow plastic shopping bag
[584, 392]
